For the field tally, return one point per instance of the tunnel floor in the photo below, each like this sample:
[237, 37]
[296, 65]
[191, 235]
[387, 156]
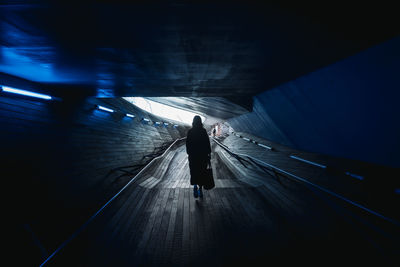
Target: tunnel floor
[255, 220]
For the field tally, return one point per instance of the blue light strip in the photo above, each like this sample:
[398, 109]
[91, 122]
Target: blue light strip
[309, 162]
[25, 93]
[105, 109]
[359, 177]
[146, 120]
[130, 115]
[175, 126]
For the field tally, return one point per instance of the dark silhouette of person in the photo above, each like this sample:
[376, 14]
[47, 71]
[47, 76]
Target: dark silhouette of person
[199, 151]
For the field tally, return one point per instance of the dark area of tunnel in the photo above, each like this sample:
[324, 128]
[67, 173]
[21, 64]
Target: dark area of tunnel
[48, 171]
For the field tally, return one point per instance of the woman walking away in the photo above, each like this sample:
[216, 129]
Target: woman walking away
[199, 150]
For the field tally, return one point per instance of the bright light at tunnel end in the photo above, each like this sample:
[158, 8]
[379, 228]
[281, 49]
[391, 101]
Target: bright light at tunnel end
[25, 93]
[164, 111]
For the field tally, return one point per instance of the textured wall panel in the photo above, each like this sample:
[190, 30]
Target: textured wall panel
[349, 109]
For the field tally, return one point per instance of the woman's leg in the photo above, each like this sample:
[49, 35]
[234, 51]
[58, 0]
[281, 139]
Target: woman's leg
[200, 191]
[195, 191]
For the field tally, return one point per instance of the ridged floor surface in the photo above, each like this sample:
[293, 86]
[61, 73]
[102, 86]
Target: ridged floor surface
[250, 218]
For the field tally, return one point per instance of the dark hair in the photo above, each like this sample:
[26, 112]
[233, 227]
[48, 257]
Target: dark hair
[197, 122]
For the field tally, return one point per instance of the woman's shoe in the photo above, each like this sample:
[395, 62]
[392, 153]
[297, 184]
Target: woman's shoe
[195, 192]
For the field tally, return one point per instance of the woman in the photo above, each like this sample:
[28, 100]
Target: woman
[198, 148]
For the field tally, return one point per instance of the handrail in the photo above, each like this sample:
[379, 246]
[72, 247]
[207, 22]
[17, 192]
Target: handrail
[83, 226]
[253, 141]
[298, 178]
[359, 177]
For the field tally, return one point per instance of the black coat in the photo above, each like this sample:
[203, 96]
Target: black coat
[198, 148]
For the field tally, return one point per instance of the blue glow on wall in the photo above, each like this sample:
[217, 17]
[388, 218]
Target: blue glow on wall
[15, 61]
[40, 64]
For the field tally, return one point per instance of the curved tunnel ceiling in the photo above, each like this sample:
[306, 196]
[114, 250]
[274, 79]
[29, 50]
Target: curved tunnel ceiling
[216, 107]
[196, 49]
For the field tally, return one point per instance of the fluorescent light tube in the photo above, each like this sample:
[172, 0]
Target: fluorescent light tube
[104, 108]
[24, 92]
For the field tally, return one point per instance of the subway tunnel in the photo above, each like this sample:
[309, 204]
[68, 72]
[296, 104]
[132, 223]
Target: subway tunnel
[97, 98]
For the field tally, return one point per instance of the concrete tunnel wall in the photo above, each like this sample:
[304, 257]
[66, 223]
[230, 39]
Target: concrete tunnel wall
[349, 109]
[57, 156]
